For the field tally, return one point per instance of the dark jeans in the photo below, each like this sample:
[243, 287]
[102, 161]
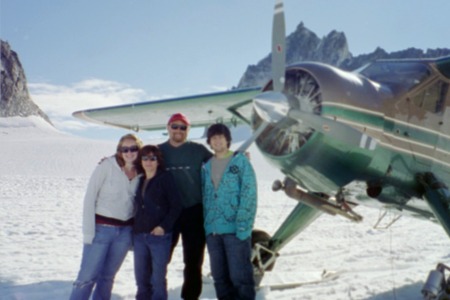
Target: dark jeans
[151, 257]
[231, 267]
[190, 227]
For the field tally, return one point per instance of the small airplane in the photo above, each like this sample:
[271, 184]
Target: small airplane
[384, 127]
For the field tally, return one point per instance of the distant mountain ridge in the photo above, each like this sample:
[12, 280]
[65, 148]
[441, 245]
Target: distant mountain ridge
[15, 98]
[305, 45]
[301, 45]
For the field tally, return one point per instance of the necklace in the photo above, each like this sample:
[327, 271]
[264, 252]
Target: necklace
[131, 173]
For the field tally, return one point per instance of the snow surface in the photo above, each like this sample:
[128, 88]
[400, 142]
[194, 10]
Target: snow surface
[43, 176]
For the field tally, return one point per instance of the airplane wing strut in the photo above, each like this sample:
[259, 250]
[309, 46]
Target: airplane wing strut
[438, 197]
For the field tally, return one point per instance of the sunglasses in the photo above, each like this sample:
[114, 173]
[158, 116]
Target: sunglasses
[176, 126]
[150, 158]
[129, 149]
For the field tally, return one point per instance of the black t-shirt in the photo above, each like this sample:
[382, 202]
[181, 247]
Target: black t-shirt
[185, 163]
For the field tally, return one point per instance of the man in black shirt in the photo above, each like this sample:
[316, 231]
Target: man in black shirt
[184, 159]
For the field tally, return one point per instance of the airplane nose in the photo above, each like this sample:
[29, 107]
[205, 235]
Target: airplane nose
[271, 106]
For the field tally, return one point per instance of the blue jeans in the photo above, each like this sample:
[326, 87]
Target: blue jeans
[231, 267]
[151, 257]
[101, 261]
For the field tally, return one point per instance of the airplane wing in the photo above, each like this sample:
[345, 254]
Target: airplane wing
[232, 106]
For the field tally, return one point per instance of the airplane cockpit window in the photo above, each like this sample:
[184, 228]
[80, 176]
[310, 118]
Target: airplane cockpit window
[432, 98]
[399, 76]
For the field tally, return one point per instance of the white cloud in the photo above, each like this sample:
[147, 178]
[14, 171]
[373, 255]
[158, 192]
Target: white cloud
[217, 88]
[60, 101]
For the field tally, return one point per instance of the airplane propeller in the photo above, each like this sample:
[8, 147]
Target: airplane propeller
[278, 47]
[272, 106]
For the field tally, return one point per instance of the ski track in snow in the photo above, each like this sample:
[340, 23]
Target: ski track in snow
[43, 176]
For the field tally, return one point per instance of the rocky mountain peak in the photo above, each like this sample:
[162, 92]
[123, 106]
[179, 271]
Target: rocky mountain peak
[15, 98]
[333, 49]
[301, 45]
[304, 45]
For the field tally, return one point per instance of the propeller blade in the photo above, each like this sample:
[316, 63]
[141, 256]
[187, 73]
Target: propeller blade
[254, 136]
[278, 47]
[271, 106]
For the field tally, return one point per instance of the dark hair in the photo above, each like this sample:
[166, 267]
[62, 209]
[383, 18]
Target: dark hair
[146, 150]
[219, 129]
[118, 154]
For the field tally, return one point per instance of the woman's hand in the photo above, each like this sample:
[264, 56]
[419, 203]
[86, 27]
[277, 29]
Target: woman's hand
[158, 230]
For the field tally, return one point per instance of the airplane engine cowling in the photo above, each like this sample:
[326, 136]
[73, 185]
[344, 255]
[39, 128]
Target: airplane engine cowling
[310, 88]
[284, 137]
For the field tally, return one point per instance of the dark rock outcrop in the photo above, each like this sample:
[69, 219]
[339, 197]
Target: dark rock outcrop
[15, 98]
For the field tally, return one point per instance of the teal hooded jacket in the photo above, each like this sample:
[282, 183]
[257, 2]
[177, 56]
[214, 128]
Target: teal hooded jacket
[231, 208]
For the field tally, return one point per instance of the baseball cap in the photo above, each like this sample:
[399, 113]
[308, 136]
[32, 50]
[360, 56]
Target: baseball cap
[179, 117]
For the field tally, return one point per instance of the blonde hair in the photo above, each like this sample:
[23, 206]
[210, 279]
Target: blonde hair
[118, 155]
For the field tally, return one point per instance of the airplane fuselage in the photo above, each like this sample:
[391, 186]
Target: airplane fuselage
[381, 127]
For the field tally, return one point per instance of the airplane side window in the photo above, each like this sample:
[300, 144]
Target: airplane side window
[398, 76]
[432, 99]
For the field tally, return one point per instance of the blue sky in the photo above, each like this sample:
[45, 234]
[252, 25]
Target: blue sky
[82, 54]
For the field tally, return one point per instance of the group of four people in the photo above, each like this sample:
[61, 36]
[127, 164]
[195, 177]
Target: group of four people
[147, 197]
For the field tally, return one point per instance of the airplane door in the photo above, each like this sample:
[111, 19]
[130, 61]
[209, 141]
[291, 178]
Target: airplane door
[429, 125]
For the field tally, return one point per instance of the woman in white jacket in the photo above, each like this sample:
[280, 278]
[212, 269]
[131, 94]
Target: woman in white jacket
[107, 220]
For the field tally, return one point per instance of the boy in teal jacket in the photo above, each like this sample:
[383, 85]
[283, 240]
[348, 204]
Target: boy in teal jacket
[229, 208]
